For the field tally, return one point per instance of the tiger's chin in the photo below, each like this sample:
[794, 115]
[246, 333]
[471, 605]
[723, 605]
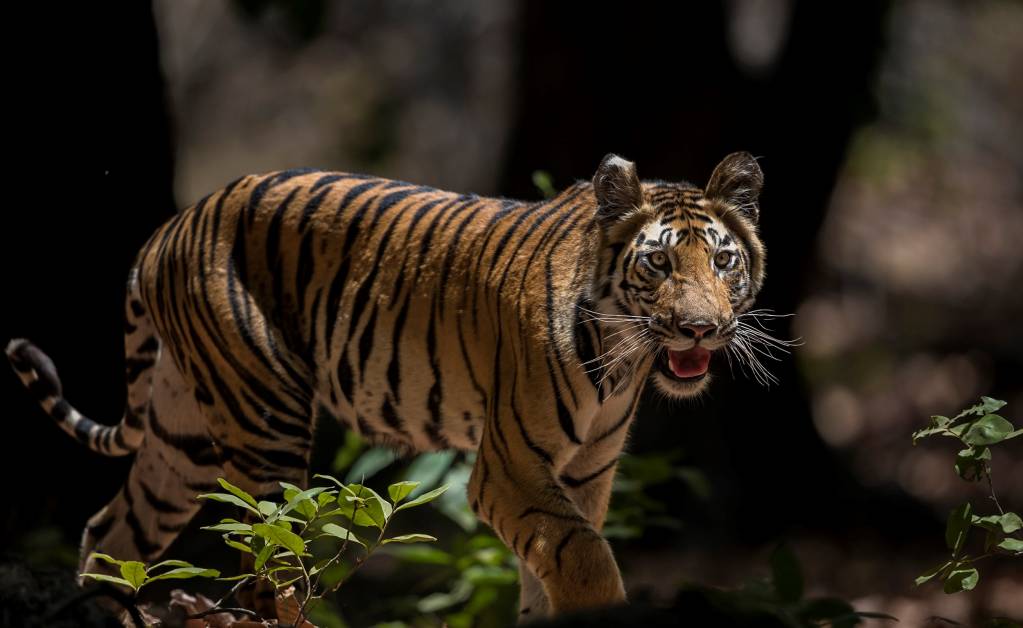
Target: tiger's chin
[682, 374]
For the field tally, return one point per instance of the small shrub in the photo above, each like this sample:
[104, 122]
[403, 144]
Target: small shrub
[978, 428]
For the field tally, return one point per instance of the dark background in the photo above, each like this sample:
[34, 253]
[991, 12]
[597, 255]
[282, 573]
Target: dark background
[112, 126]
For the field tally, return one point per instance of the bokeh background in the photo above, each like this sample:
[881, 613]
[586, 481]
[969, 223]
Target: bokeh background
[890, 134]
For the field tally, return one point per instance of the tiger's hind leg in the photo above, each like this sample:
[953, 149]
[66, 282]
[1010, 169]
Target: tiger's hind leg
[175, 463]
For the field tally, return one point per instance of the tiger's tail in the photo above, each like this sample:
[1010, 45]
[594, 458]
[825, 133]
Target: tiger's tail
[142, 346]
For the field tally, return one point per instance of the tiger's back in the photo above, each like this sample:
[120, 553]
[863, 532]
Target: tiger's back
[371, 300]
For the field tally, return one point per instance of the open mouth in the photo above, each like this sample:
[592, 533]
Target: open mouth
[685, 366]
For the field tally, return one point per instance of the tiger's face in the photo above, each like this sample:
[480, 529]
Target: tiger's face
[680, 265]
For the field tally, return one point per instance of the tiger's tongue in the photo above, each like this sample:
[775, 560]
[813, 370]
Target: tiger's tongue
[689, 363]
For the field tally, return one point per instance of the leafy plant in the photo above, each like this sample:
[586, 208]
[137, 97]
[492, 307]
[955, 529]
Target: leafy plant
[280, 537]
[472, 580]
[978, 428]
[136, 575]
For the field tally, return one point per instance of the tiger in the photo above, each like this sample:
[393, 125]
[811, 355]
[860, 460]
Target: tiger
[424, 320]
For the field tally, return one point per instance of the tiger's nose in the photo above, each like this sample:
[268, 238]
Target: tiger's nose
[697, 330]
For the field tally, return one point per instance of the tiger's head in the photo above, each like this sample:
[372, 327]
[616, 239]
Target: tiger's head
[679, 265]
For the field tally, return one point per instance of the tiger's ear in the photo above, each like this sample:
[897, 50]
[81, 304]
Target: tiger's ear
[619, 194]
[737, 182]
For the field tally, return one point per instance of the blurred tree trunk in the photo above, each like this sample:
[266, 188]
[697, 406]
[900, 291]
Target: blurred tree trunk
[658, 85]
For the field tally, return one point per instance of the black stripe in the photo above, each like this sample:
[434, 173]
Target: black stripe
[147, 548]
[622, 421]
[158, 503]
[528, 545]
[391, 418]
[134, 367]
[533, 510]
[568, 480]
[536, 449]
[310, 209]
[561, 547]
[394, 366]
[198, 449]
[295, 430]
[366, 342]
[100, 528]
[564, 416]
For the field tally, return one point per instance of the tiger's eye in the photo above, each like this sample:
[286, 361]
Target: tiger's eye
[658, 259]
[723, 259]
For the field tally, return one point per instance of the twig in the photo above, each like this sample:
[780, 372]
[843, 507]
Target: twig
[217, 611]
[991, 488]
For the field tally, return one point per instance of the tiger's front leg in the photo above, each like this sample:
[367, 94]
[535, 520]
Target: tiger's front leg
[515, 490]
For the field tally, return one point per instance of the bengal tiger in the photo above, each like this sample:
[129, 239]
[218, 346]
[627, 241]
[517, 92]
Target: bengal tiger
[427, 320]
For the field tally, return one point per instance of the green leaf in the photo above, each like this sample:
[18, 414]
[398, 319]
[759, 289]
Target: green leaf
[264, 555]
[134, 572]
[105, 578]
[940, 421]
[182, 573]
[928, 431]
[971, 463]
[958, 430]
[348, 452]
[237, 545]
[423, 499]
[336, 531]
[228, 499]
[106, 558]
[400, 490]
[933, 572]
[279, 536]
[237, 578]
[1011, 545]
[961, 580]
[326, 497]
[411, 538]
[1007, 523]
[300, 497]
[289, 489]
[229, 527]
[421, 554]
[329, 478]
[370, 463]
[987, 405]
[959, 521]
[483, 575]
[786, 575]
[267, 508]
[428, 469]
[234, 490]
[439, 601]
[544, 183]
[987, 430]
[170, 563]
[372, 506]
